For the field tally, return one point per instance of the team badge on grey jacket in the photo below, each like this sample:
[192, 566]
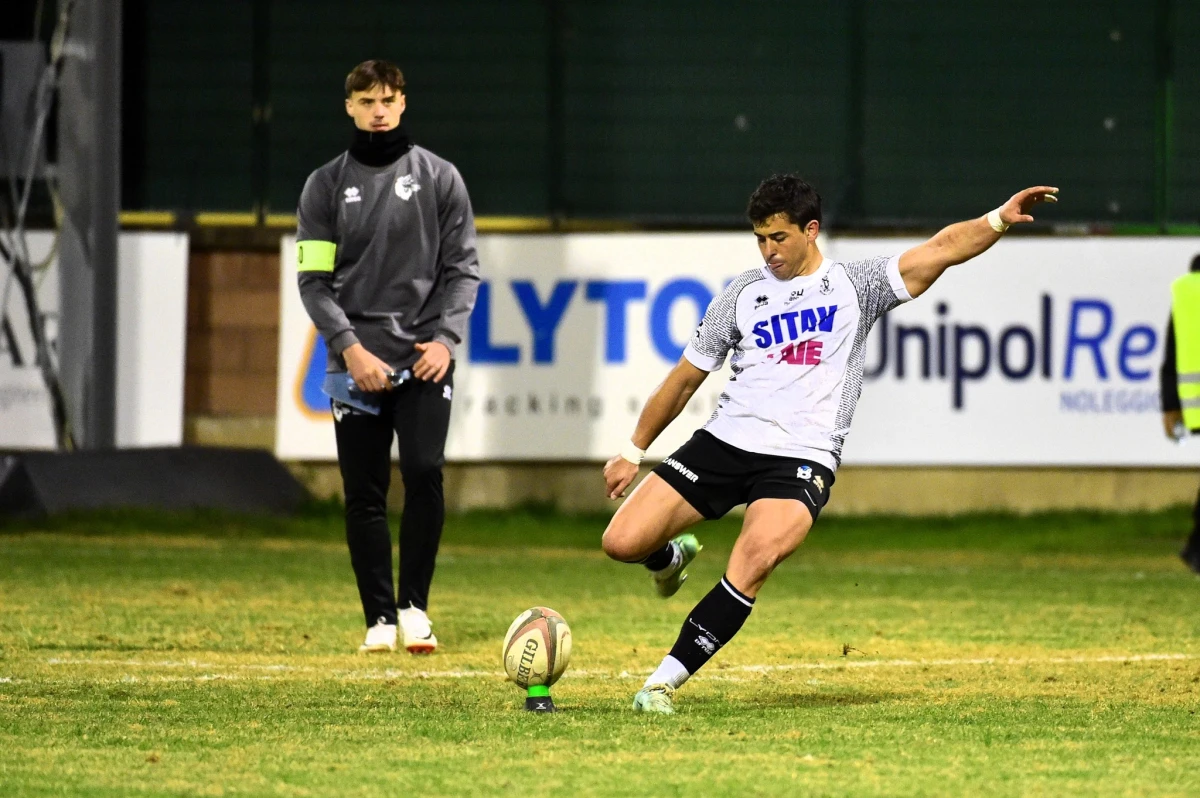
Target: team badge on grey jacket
[406, 186]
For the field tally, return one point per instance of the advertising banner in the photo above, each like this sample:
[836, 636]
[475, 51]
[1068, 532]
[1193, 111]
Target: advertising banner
[1039, 352]
[151, 338]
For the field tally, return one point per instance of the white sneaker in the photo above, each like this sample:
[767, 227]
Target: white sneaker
[418, 636]
[380, 637]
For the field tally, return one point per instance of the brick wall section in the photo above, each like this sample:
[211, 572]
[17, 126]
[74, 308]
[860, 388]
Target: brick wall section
[233, 333]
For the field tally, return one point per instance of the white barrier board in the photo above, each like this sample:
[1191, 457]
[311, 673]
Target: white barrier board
[151, 340]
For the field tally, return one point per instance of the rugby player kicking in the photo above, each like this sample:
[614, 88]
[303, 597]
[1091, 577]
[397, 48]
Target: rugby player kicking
[796, 328]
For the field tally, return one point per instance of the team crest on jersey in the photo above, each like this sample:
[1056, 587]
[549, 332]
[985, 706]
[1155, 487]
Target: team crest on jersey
[353, 195]
[406, 186]
[760, 300]
[826, 286]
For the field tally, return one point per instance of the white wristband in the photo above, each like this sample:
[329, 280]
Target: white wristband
[632, 453]
[998, 224]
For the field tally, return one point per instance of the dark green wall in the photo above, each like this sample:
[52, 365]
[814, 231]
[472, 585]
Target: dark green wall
[902, 112]
[677, 114]
[476, 90]
[187, 107]
[1183, 174]
[962, 105]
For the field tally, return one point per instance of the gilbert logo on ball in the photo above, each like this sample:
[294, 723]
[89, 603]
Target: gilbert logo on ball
[537, 649]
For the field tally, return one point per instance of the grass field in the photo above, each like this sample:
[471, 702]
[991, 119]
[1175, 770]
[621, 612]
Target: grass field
[201, 655]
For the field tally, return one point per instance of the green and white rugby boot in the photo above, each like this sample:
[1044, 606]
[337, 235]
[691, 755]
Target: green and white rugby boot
[668, 581]
[655, 698]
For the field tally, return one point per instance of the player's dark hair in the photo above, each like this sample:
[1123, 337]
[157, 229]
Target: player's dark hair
[788, 194]
[375, 73]
[1195, 264]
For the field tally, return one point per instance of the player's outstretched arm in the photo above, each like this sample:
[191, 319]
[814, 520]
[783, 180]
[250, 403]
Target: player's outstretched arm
[922, 265]
[665, 403]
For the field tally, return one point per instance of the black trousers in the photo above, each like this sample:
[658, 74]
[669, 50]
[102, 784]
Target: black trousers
[418, 413]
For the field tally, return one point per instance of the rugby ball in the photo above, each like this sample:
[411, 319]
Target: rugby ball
[537, 648]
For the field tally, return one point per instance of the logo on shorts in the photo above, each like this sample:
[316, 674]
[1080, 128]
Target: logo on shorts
[352, 195]
[820, 483]
[447, 393]
[760, 300]
[681, 468]
[804, 472]
[406, 186]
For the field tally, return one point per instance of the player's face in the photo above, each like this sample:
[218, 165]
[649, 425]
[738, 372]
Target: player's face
[377, 109]
[787, 248]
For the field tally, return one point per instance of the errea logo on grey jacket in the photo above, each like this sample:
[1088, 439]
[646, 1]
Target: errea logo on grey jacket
[352, 195]
[406, 186]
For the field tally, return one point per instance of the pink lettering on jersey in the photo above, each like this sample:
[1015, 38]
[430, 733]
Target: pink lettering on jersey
[802, 353]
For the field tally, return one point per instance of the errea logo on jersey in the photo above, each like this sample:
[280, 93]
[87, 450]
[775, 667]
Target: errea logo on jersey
[352, 195]
[406, 186]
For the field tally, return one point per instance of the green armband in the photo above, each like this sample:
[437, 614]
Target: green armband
[315, 256]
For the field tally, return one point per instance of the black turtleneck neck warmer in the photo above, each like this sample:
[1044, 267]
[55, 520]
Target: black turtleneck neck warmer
[380, 149]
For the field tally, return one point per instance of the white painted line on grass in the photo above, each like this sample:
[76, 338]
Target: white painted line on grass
[190, 663]
[918, 663]
[269, 672]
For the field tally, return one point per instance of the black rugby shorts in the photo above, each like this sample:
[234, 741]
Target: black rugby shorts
[715, 477]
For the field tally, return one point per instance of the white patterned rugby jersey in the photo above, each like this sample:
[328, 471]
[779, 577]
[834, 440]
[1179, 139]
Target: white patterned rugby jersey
[798, 349]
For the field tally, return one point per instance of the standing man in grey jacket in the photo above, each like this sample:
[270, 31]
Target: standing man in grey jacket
[388, 273]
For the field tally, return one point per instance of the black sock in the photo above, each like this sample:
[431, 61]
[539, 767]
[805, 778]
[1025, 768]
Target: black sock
[661, 558]
[712, 623]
